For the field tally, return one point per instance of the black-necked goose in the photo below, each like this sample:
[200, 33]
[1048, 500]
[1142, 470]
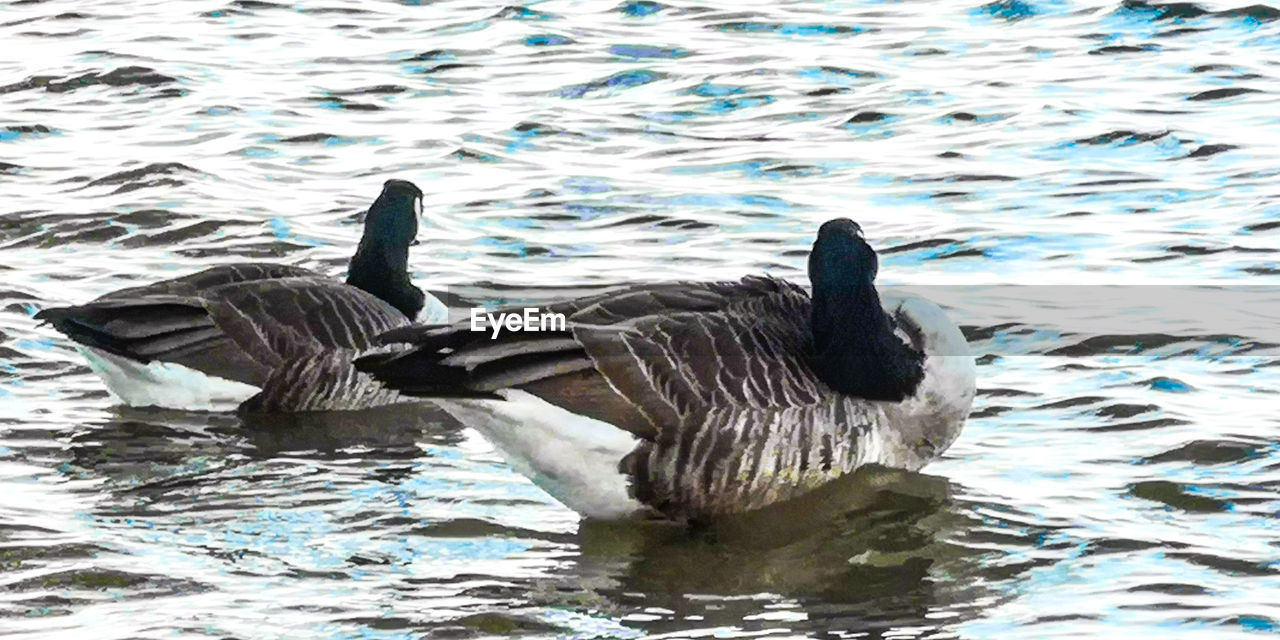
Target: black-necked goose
[259, 337]
[698, 399]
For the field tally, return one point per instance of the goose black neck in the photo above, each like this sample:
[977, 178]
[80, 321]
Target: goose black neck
[381, 263]
[855, 349]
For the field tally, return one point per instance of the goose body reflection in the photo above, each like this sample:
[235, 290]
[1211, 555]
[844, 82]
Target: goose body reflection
[235, 491]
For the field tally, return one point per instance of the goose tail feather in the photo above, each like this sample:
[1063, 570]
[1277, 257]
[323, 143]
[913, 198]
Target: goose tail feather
[418, 373]
[139, 329]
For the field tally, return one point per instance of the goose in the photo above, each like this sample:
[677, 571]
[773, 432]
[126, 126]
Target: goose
[258, 337]
[688, 401]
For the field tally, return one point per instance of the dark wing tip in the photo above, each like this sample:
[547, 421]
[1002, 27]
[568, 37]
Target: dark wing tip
[414, 334]
[373, 362]
[414, 373]
[56, 316]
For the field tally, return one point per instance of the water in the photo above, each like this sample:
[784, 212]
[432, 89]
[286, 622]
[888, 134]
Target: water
[1118, 477]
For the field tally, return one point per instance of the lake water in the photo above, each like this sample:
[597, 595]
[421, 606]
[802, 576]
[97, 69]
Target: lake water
[1092, 188]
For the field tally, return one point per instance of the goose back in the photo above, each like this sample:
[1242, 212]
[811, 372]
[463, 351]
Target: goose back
[285, 330]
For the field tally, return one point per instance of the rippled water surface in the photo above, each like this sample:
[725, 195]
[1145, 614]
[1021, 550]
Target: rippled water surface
[1118, 477]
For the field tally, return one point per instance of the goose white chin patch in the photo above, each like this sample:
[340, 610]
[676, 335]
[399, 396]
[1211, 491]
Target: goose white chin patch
[164, 384]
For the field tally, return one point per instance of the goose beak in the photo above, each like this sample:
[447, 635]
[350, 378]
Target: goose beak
[415, 242]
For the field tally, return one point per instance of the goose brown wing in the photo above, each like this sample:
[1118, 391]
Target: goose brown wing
[242, 327]
[307, 330]
[169, 321]
[641, 358]
[285, 318]
[168, 328]
[678, 356]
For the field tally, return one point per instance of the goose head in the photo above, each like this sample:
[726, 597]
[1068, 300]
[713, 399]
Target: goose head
[393, 217]
[855, 349]
[381, 263]
[841, 255]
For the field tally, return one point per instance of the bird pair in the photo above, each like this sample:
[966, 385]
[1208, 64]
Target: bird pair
[680, 400]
